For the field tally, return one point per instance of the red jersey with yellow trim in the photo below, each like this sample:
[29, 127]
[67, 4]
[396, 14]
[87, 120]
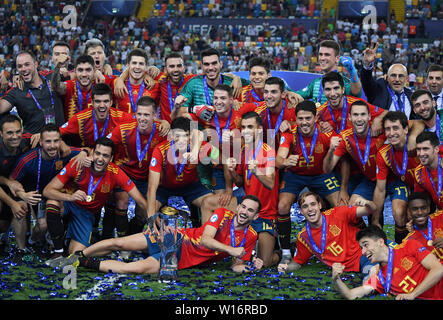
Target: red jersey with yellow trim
[194, 253]
[348, 144]
[262, 110]
[291, 141]
[325, 115]
[266, 159]
[161, 95]
[162, 161]
[437, 232]
[81, 126]
[124, 104]
[124, 137]
[407, 271]
[340, 246]
[74, 179]
[422, 183]
[249, 95]
[386, 169]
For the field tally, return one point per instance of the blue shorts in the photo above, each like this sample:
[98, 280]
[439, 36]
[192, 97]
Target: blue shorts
[142, 186]
[397, 190]
[189, 193]
[218, 179]
[80, 223]
[361, 185]
[155, 250]
[322, 184]
[264, 225]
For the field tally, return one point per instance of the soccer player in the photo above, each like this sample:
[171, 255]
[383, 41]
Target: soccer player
[408, 271]
[329, 58]
[173, 170]
[13, 143]
[333, 115]
[428, 174]
[34, 169]
[395, 161]
[97, 121]
[136, 64]
[434, 83]
[135, 143]
[425, 227]
[76, 93]
[300, 154]
[425, 107]
[274, 111]
[259, 71]
[211, 242]
[330, 235]
[255, 171]
[85, 193]
[359, 144]
[197, 94]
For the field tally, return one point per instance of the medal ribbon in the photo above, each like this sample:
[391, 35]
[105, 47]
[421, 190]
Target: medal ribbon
[405, 159]
[205, 87]
[256, 151]
[92, 186]
[344, 115]
[367, 147]
[398, 104]
[80, 96]
[439, 177]
[94, 122]
[217, 124]
[303, 145]
[180, 169]
[140, 154]
[242, 243]
[387, 284]
[429, 236]
[171, 99]
[323, 236]
[279, 119]
[131, 97]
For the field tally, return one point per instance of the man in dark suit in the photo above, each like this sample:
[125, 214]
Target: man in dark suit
[390, 93]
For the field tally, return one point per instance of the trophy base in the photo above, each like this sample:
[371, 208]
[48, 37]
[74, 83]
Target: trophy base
[167, 276]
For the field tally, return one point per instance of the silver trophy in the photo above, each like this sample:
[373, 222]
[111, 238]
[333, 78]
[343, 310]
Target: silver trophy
[171, 220]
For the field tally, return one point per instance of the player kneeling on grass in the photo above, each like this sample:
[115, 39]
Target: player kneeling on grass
[211, 242]
[409, 270]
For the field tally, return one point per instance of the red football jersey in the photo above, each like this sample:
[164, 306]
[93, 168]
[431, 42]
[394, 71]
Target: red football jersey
[249, 95]
[348, 145]
[124, 104]
[340, 246]
[165, 99]
[162, 161]
[408, 272]
[269, 198]
[72, 100]
[437, 232]
[291, 140]
[81, 126]
[74, 179]
[124, 137]
[386, 168]
[422, 183]
[194, 253]
[335, 120]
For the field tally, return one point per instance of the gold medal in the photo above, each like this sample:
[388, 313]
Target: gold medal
[139, 164]
[403, 178]
[429, 243]
[88, 198]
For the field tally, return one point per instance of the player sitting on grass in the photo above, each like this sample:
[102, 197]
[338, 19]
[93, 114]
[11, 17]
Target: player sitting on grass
[208, 243]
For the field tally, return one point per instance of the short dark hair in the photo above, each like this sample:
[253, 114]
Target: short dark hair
[10, 118]
[61, 44]
[101, 89]
[372, 231]
[419, 196]
[182, 123]
[428, 136]
[435, 67]
[253, 198]
[359, 103]
[259, 61]
[331, 44]
[306, 105]
[137, 52]
[307, 194]
[253, 115]
[418, 93]
[84, 58]
[394, 116]
[147, 101]
[49, 127]
[173, 54]
[224, 87]
[332, 76]
[210, 52]
[276, 80]
[105, 141]
[29, 53]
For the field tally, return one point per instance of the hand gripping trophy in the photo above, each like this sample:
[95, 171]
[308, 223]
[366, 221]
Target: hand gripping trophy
[169, 240]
